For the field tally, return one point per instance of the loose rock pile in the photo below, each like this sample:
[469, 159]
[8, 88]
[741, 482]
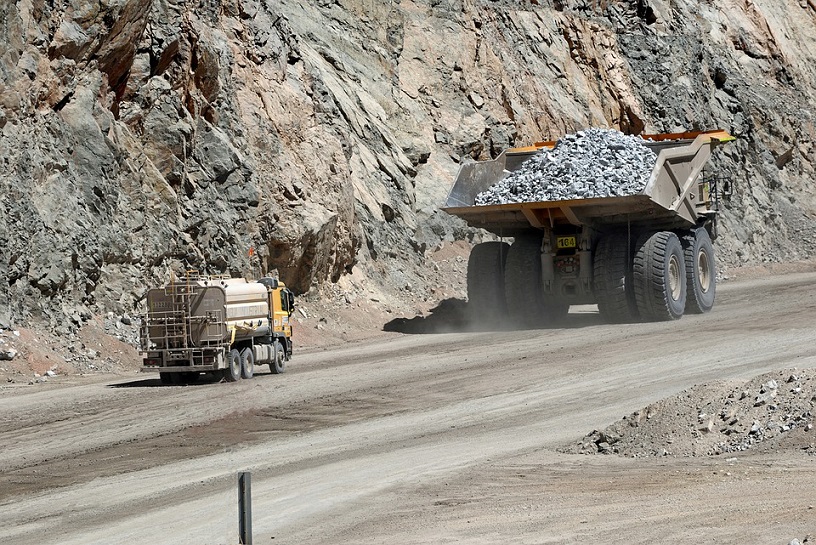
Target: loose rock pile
[587, 164]
[716, 419]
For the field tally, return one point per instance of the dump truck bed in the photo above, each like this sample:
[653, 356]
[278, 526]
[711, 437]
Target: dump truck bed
[672, 198]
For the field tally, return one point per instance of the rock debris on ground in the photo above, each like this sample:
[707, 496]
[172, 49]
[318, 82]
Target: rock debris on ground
[7, 354]
[715, 419]
[588, 164]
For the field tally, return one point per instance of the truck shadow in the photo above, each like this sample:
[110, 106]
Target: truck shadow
[156, 383]
[141, 383]
[454, 316]
[204, 379]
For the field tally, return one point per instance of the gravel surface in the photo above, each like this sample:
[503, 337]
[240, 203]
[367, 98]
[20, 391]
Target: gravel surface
[588, 164]
[427, 439]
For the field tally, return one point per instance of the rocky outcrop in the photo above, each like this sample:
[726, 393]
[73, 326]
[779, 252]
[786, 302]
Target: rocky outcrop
[314, 139]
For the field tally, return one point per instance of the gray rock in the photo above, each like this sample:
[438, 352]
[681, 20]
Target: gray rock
[8, 354]
[769, 386]
[589, 164]
[764, 398]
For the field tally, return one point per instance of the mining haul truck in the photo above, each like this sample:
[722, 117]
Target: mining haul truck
[217, 325]
[647, 256]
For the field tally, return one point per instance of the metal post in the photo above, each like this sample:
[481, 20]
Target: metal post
[245, 508]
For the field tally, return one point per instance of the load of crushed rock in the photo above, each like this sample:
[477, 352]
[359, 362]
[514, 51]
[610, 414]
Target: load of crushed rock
[588, 164]
[710, 420]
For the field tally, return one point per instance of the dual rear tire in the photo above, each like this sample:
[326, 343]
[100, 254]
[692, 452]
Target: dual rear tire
[233, 371]
[701, 271]
[523, 287]
[673, 275]
[504, 277]
[241, 364]
[657, 277]
[613, 283]
[485, 281]
[659, 274]
[247, 363]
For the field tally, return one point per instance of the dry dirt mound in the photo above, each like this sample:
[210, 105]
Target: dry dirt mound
[772, 411]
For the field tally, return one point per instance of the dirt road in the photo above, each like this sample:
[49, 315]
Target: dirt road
[419, 439]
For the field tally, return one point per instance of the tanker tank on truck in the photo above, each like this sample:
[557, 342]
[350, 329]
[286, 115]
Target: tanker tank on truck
[217, 325]
[641, 254]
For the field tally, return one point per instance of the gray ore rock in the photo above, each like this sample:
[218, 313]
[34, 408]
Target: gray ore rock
[588, 164]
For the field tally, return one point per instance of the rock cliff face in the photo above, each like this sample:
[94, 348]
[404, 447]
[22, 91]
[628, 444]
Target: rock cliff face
[314, 139]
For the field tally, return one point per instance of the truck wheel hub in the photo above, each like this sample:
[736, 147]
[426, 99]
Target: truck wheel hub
[675, 282]
[703, 271]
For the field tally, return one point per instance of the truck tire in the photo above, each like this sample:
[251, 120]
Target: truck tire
[247, 363]
[701, 271]
[522, 281]
[659, 275]
[233, 371]
[168, 378]
[612, 279]
[485, 280]
[278, 363]
[523, 289]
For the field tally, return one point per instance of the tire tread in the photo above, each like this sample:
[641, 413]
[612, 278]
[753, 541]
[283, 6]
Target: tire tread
[651, 285]
[485, 279]
[612, 279]
[696, 301]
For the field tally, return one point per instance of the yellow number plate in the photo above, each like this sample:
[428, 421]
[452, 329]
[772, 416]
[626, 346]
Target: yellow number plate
[565, 242]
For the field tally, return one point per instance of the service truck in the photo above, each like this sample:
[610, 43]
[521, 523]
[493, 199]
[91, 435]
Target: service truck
[647, 256]
[217, 325]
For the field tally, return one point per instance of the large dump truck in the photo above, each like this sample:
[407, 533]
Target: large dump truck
[646, 256]
[217, 325]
